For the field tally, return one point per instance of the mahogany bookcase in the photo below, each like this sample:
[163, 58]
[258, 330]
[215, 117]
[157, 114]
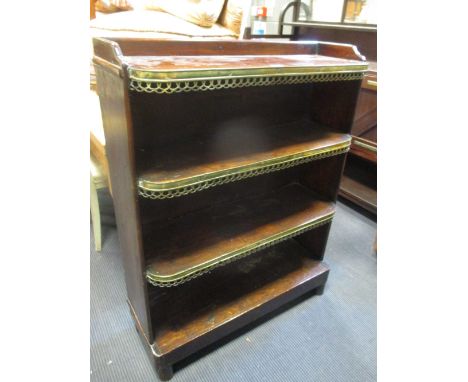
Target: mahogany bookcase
[225, 158]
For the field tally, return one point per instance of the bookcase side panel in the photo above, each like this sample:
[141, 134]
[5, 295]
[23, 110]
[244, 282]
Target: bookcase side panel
[120, 153]
[323, 176]
[333, 104]
[315, 241]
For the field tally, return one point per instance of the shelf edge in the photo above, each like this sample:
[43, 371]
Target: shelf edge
[152, 82]
[173, 189]
[201, 269]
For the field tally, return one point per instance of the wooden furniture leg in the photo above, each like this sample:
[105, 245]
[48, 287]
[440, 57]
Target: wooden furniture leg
[165, 372]
[319, 291]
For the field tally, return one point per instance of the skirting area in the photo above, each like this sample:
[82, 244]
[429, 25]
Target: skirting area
[321, 338]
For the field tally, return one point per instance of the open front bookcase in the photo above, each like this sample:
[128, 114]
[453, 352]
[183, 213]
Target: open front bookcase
[225, 159]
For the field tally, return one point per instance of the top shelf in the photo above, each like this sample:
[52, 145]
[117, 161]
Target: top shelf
[190, 67]
[180, 66]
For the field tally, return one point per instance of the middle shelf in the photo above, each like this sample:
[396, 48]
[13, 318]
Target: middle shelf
[226, 232]
[237, 150]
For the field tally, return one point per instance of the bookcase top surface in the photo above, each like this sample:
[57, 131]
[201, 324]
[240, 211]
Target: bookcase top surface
[175, 67]
[164, 60]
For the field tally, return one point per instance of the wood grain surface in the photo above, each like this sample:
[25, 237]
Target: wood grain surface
[168, 63]
[191, 311]
[233, 147]
[166, 137]
[229, 228]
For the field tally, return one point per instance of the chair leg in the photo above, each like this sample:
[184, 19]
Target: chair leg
[95, 216]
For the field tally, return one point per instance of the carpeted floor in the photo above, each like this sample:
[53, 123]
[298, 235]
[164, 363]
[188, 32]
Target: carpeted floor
[321, 338]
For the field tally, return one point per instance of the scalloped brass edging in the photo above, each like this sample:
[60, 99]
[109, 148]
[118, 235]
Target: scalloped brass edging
[198, 183]
[201, 269]
[164, 83]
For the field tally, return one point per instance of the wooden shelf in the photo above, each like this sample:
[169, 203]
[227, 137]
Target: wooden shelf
[229, 231]
[176, 67]
[237, 151]
[359, 193]
[364, 149]
[210, 304]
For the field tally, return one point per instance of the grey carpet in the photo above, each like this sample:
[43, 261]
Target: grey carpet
[322, 338]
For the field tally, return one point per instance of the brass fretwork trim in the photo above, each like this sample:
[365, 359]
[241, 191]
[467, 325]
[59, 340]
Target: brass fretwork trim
[169, 86]
[201, 269]
[188, 186]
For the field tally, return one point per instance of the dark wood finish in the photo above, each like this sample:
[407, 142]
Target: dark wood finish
[339, 114]
[146, 47]
[118, 131]
[320, 176]
[364, 40]
[359, 183]
[364, 149]
[324, 177]
[230, 227]
[242, 143]
[248, 289]
[315, 241]
[359, 193]
[167, 63]
[159, 135]
[337, 50]
[371, 75]
[163, 369]
[264, 107]
[360, 189]
[365, 121]
[143, 47]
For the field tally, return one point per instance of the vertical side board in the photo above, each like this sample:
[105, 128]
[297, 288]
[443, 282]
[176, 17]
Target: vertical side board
[334, 103]
[113, 95]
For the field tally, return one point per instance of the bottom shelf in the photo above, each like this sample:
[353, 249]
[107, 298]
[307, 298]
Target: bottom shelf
[359, 183]
[359, 193]
[193, 315]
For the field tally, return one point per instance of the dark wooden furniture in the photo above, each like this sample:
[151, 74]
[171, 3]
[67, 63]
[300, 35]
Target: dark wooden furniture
[225, 160]
[359, 183]
[364, 38]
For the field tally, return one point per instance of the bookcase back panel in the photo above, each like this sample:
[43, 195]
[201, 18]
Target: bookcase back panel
[333, 104]
[162, 119]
